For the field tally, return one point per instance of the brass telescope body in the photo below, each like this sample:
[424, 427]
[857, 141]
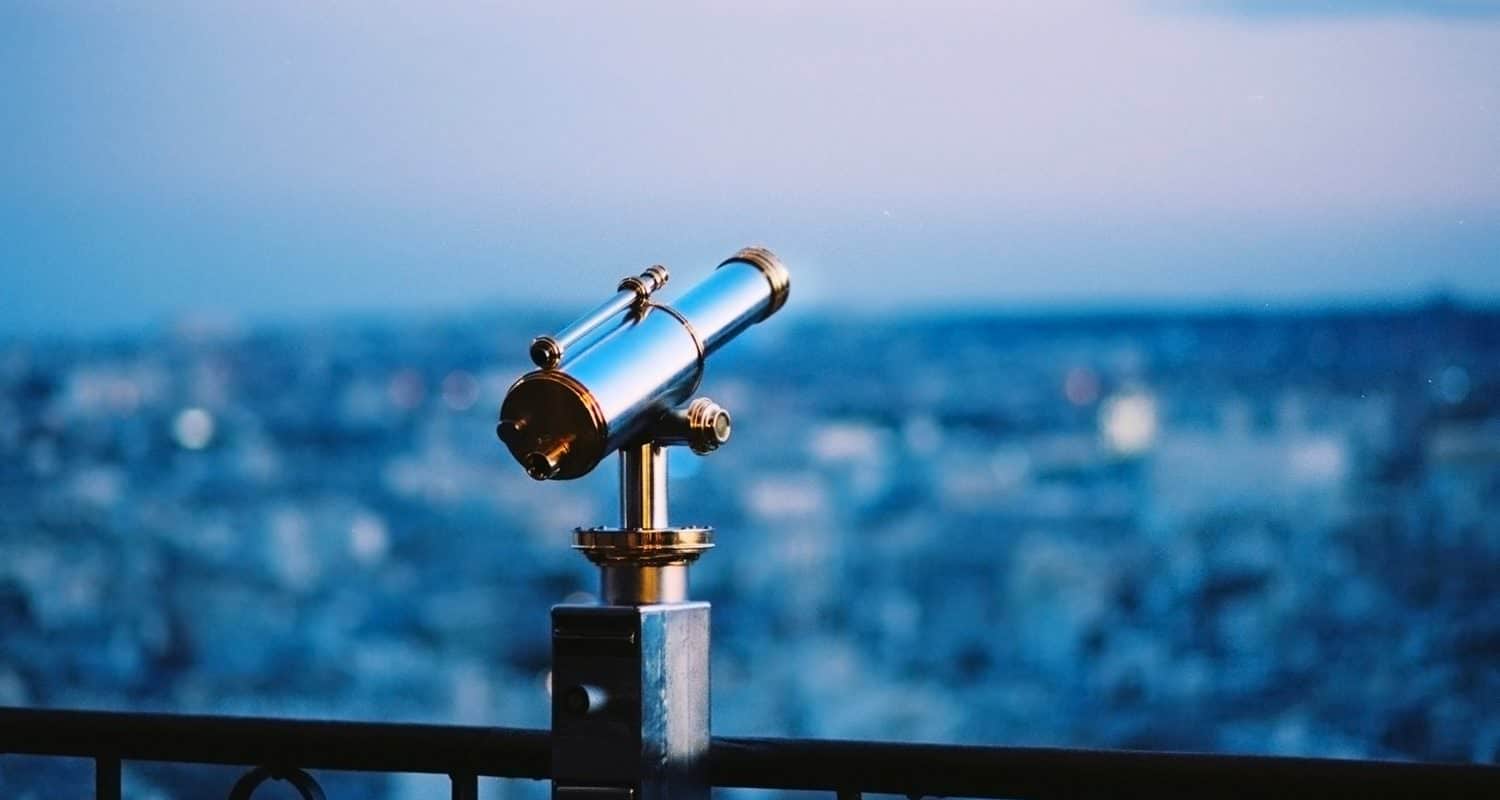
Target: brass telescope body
[619, 379]
[641, 360]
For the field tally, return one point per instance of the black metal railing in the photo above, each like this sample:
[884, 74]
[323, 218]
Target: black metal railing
[289, 749]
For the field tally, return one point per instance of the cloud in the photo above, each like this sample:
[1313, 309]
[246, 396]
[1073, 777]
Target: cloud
[1343, 9]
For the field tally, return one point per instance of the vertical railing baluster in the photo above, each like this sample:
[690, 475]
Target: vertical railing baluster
[106, 778]
[465, 786]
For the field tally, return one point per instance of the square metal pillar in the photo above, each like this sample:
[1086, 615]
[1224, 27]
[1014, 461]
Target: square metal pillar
[630, 702]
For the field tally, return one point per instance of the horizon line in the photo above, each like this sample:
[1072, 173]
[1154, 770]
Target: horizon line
[216, 323]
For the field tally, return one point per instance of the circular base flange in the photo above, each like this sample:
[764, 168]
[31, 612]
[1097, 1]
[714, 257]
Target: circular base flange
[645, 546]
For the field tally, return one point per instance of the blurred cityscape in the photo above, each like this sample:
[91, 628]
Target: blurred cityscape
[1268, 532]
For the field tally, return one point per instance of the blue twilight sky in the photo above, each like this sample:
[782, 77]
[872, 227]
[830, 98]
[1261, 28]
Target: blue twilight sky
[272, 160]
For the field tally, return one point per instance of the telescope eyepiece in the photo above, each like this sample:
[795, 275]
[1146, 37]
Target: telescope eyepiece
[543, 464]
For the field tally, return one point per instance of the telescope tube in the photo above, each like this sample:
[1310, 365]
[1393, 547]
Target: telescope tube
[560, 423]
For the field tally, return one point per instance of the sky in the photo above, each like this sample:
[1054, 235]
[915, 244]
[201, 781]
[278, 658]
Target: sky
[283, 160]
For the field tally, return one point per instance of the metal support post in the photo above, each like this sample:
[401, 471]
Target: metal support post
[630, 682]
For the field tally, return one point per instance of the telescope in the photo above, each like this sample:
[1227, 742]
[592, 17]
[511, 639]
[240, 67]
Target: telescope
[621, 378]
[611, 378]
[630, 691]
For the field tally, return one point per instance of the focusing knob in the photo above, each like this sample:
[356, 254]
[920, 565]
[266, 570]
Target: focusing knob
[708, 426]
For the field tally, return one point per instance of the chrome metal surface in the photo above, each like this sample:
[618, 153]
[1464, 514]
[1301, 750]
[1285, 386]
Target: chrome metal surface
[643, 486]
[735, 297]
[639, 566]
[625, 584]
[561, 422]
[548, 352]
[644, 284]
[680, 545]
[704, 426]
[772, 269]
[651, 739]
[687, 325]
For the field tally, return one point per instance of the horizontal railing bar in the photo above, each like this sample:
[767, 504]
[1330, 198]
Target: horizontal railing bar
[309, 744]
[1040, 773]
[838, 766]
